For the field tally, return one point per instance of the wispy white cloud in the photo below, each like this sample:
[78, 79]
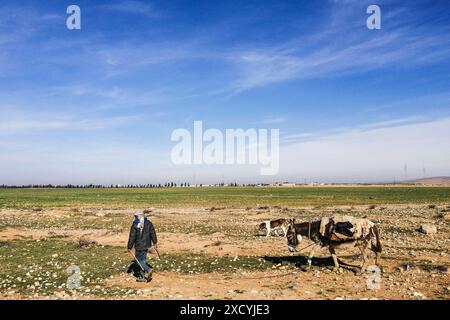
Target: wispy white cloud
[377, 154]
[21, 122]
[396, 49]
[344, 46]
[360, 128]
[146, 8]
[274, 120]
[111, 97]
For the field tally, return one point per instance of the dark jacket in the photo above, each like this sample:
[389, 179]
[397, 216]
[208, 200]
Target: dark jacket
[144, 240]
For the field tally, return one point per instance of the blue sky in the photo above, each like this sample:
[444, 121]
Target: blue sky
[98, 105]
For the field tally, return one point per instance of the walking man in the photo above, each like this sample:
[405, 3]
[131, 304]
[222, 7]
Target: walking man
[142, 237]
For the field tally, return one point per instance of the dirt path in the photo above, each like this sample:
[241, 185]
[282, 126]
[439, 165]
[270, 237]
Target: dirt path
[316, 284]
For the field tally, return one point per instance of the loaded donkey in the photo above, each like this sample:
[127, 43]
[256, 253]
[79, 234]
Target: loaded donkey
[334, 232]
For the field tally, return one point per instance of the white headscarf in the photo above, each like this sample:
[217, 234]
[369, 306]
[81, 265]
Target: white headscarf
[140, 214]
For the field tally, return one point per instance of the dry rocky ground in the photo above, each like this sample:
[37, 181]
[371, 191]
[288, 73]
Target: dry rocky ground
[217, 253]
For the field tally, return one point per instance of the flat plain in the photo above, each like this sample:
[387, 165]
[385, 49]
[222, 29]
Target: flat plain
[210, 245]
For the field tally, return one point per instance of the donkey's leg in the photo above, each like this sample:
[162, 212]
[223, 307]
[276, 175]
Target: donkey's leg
[284, 231]
[377, 255]
[333, 255]
[377, 258]
[311, 254]
[268, 229]
[363, 247]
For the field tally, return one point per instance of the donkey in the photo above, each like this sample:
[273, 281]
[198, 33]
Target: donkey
[311, 230]
[274, 225]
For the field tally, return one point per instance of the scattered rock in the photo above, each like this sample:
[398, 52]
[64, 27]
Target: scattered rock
[217, 243]
[440, 215]
[87, 243]
[215, 208]
[419, 295]
[428, 229]
[407, 266]
[442, 269]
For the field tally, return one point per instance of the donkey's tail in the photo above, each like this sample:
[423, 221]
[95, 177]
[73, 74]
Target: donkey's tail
[377, 247]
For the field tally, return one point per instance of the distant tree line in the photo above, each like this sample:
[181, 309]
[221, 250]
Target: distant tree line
[111, 186]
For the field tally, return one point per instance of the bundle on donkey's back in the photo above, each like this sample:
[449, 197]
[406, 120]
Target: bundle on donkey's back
[333, 232]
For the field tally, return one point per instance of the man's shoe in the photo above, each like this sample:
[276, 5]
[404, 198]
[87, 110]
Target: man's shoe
[141, 280]
[148, 275]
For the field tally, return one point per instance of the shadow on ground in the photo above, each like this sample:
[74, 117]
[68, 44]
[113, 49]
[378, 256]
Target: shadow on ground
[302, 261]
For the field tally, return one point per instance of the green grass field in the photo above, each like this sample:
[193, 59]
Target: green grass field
[227, 196]
[38, 243]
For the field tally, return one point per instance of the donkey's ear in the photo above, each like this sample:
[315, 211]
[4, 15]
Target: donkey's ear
[293, 220]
